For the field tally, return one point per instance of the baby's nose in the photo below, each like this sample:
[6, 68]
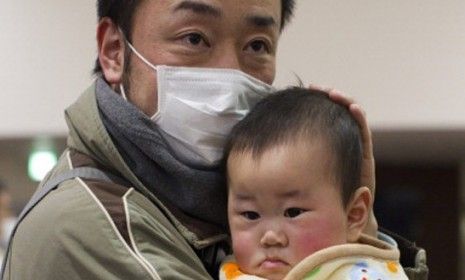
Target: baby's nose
[274, 238]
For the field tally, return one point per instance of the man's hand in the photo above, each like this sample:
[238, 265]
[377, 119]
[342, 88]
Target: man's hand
[368, 161]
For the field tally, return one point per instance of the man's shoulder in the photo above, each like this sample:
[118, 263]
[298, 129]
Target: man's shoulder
[79, 205]
[105, 208]
[78, 220]
[75, 204]
[84, 225]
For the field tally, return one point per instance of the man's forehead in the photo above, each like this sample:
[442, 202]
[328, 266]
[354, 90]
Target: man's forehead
[197, 6]
[256, 12]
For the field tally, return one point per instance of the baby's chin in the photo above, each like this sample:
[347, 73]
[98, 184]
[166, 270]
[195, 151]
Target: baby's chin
[272, 274]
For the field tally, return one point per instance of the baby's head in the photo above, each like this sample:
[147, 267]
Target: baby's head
[293, 167]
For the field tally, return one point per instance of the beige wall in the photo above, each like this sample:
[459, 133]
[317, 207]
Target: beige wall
[47, 50]
[403, 60]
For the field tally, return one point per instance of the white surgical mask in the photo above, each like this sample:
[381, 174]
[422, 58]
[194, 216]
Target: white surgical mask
[197, 108]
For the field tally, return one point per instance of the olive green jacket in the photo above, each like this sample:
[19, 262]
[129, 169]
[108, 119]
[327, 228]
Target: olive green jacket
[86, 229]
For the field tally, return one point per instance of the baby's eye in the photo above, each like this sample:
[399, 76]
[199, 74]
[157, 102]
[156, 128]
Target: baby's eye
[250, 215]
[293, 212]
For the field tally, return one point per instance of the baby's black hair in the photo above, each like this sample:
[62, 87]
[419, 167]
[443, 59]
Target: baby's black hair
[296, 114]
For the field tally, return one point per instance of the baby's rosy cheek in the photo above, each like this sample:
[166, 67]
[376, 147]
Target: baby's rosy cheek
[307, 244]
[243, 247]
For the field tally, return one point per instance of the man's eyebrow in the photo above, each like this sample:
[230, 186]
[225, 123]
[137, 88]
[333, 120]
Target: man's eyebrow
[261, 21]
[199, 8]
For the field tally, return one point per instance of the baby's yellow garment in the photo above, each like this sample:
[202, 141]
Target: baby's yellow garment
[370, 259]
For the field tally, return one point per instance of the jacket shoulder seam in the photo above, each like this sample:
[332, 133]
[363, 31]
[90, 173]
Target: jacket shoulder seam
[131, 236]
[118, 234]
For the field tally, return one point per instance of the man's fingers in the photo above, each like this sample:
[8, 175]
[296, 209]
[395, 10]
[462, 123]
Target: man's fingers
[361, 119]
[334, 94]
[340, 98]
[318, 87]
[357, 112]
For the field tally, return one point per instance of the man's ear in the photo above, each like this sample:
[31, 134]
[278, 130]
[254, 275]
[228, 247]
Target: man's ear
[111, 48]
[358, 210]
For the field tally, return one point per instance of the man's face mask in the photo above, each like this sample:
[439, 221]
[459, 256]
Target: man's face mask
[197, 108]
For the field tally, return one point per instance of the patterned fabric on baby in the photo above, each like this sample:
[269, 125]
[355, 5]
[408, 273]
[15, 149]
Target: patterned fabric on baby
[367, 269]
[368, 259]
[230, 271]
[364, 269]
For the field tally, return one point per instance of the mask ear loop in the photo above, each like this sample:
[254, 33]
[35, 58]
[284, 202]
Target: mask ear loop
[123, 93]
[141, 57]
[157, 114]
[121, 87]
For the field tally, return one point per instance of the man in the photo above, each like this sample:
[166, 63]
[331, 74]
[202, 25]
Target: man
[156, 130]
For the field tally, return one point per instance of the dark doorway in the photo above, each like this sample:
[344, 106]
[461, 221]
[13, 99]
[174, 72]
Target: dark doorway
[422, 204]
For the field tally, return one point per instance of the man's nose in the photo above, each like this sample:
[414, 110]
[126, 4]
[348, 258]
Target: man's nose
[274, 238]
[228, 58]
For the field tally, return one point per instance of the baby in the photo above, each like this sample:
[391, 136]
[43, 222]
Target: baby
[295, 205]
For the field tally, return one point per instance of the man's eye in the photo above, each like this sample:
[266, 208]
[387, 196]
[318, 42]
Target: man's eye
[195, 39]
[258, 46]
[250, 215]
[293, 212]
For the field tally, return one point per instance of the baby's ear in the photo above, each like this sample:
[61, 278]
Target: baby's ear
[358, 209]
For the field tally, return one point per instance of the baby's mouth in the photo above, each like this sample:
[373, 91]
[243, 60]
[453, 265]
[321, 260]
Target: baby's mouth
[273, 263]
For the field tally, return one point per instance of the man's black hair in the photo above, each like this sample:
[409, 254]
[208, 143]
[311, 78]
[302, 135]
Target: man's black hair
[121, 12]
[297, 114]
